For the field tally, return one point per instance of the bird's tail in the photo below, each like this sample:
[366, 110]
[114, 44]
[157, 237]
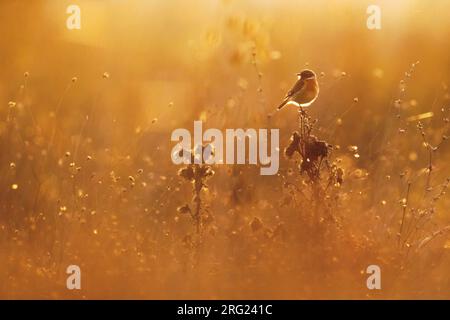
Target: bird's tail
[283, 104]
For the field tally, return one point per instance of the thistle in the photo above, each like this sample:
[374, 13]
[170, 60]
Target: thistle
[197, 174]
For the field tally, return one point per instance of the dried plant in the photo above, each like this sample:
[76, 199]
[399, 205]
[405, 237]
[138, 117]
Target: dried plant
[317, 194]
[197, 174]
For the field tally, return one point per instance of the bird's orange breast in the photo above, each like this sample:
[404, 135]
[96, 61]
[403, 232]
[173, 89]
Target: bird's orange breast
[312, 87]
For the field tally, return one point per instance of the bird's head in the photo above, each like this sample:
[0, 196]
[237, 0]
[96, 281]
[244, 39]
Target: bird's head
[306, 74]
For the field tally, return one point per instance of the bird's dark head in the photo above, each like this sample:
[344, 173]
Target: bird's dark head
[306, 74]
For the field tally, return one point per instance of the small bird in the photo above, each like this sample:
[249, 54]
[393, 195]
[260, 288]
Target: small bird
[304, 91]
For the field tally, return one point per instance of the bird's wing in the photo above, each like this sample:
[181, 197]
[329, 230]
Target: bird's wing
[296, 88]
